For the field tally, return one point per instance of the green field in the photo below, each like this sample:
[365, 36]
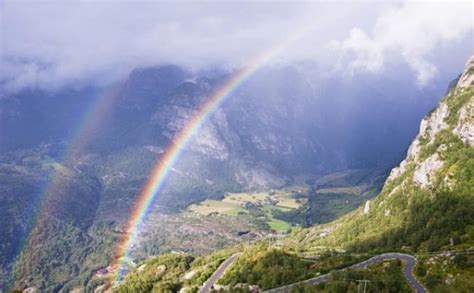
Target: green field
[210, 206]
[242, 197]
[279, 225]
[260, 205]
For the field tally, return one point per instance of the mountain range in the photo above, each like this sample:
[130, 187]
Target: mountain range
[425, 208]
[74, 161]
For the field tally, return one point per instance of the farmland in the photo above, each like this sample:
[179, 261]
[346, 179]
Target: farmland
[259, 204]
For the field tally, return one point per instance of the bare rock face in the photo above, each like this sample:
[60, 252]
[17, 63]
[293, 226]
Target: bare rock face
[367, 207]
[256, 178]
[426, 171]
[412, 154]
[465, 127]
[433, 124]
[208, 140]
[467, 77]
[271, 143]
[429, 128]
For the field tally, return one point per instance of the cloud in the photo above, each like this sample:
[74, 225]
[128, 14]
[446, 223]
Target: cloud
[50, 44]
[411, 30]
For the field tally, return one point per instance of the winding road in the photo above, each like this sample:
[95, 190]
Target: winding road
[410, 262]
[218, 273]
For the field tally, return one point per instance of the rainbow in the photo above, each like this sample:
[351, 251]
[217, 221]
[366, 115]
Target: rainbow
[95, 115]
[169, 158]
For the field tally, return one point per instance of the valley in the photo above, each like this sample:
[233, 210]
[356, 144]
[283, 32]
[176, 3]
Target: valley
[424, 210]
[246, 217]
[243, 146]
[201, 228]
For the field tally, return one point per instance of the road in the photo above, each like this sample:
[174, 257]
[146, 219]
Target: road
[410, 262]
[218, 273]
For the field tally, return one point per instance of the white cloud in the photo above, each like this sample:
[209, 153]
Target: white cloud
[72, 40]
[411, 30]
[52, 43]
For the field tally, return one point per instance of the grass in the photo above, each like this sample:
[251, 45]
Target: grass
[278, 225]
[234, 205]
[271, 208]
[243, 197]
[285, 199]
[289, 203]
[214, 206]
[436, 271]
[236, 212]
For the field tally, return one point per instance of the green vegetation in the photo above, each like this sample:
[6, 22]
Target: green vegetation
[172, 272]
[203, 267]
[319, 200]
[414, 219]
[453, 272]
[410, 216]
[262, 207]
[383, 277]
[333, 196]
[267, 268]
[270, 267]
[161, 274]
[79, 235]
[69, 253]
[210, 206]
[455, 100]
[279, 225]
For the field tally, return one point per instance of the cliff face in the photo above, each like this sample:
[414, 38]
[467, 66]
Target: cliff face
[429, 197]
[467, 78]
[454, 114]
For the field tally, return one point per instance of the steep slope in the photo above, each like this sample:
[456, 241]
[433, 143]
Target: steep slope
[49, 227]
[428, 200]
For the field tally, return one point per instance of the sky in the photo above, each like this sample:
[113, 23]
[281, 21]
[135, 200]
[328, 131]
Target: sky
[50, 44]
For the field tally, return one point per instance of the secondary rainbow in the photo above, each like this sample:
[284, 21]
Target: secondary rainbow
[163, 167]
[95, 115]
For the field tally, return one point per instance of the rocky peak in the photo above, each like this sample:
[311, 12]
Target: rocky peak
[467, 77]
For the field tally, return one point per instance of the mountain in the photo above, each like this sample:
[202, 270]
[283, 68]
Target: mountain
[427, 200]
[77, 158]
[426, 208]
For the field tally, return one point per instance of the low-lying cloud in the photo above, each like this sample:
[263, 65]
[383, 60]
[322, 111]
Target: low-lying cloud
[49, 44]
[411, 30]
